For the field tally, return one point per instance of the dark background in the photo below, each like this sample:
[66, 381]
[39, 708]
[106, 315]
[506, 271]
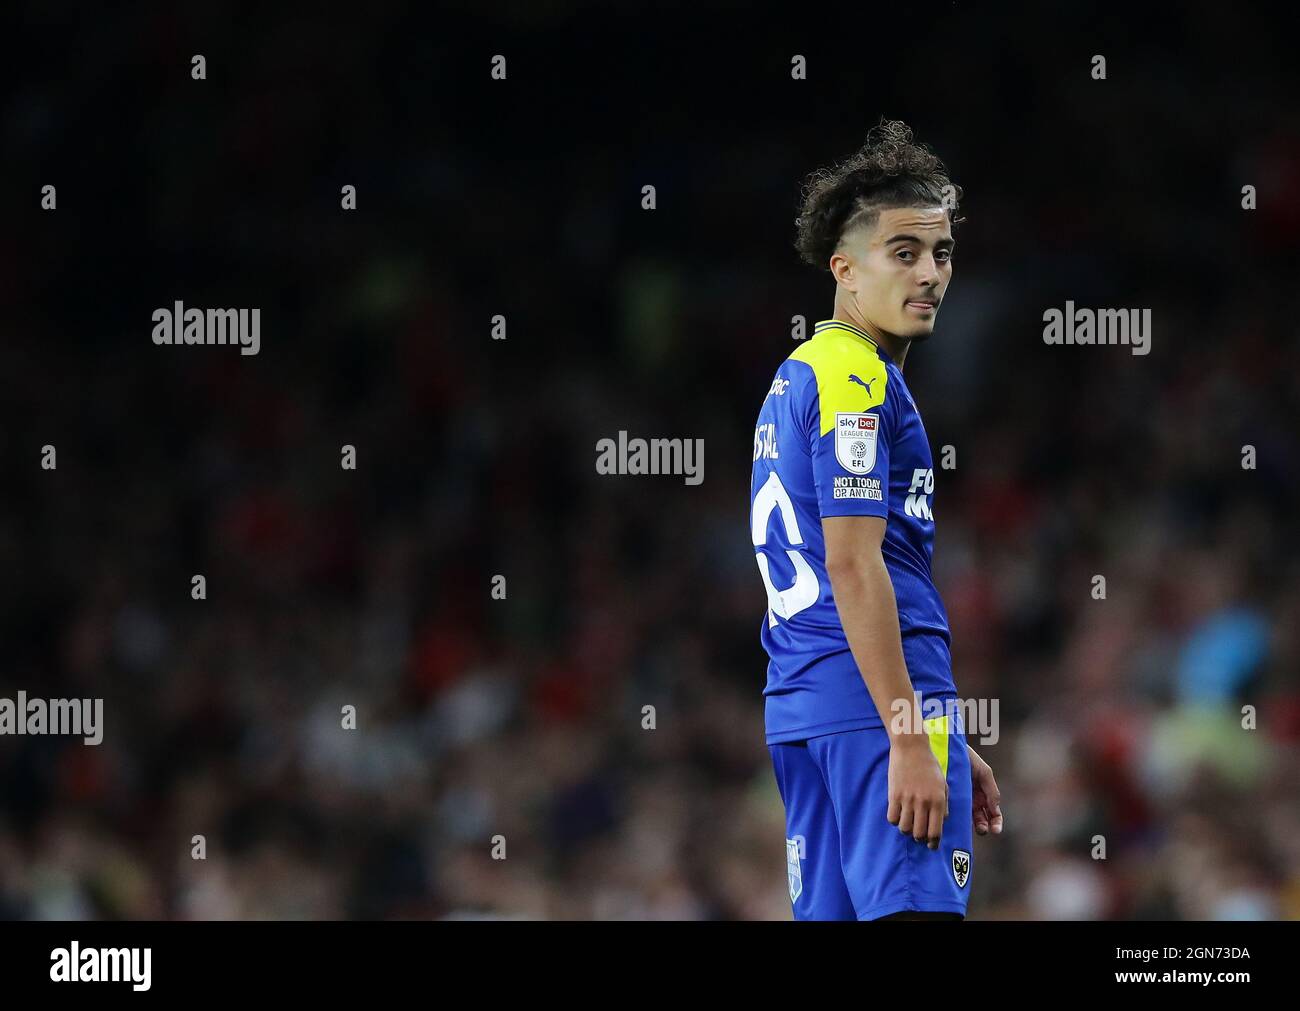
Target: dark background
[522, 717]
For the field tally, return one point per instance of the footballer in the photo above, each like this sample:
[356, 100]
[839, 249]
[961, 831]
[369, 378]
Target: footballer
[861, 711]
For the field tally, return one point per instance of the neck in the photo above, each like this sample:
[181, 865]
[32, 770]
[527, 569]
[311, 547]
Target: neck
[895, 347]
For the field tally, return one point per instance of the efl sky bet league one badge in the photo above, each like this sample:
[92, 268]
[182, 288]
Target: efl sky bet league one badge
[960, 867]
[792, 868]
[855, 441]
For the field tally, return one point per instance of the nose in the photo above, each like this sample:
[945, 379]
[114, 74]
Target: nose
[927, 270]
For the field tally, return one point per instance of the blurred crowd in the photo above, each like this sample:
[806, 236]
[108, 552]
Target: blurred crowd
[587, 741]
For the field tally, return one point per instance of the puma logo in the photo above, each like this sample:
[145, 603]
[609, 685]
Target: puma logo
[865, 386]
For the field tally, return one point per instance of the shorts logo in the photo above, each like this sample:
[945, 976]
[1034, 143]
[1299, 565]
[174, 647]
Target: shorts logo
[960, 867]
[855, 441]
[792, 868]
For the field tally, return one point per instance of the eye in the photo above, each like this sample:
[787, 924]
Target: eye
[943, 255]
[905, 254]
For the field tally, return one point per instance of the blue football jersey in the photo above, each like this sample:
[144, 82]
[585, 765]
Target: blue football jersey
[839, 435]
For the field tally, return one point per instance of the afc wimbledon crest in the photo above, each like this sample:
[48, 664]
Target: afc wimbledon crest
[960, 867]
[792, 868]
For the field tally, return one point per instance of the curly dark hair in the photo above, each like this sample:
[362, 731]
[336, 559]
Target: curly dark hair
[889, 170]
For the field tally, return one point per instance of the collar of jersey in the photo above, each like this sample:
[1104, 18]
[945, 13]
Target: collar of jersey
[839, 324]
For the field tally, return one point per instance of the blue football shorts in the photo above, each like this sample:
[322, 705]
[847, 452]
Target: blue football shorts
[844, 860]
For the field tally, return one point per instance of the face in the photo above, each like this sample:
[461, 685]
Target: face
[898, 269]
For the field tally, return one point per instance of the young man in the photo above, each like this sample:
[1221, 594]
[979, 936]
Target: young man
[842, 514]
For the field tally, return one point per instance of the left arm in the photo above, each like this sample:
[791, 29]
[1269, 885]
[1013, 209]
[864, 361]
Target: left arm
[986, 799]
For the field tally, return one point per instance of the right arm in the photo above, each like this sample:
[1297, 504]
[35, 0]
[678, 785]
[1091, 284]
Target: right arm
[864, 597]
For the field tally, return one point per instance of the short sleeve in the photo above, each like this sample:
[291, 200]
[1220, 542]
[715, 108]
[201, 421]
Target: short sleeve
[851, 443]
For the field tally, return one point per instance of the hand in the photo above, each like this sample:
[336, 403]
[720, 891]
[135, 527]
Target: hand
[986, 799]
[918, 792]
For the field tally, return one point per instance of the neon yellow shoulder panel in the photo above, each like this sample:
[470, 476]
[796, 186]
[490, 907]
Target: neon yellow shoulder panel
[850, 375]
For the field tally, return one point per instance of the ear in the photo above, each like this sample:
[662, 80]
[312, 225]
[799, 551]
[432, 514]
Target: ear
[843, 270]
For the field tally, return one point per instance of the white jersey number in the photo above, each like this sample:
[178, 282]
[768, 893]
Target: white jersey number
[805, 591]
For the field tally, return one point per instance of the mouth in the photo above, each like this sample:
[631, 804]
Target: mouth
[922, 305]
